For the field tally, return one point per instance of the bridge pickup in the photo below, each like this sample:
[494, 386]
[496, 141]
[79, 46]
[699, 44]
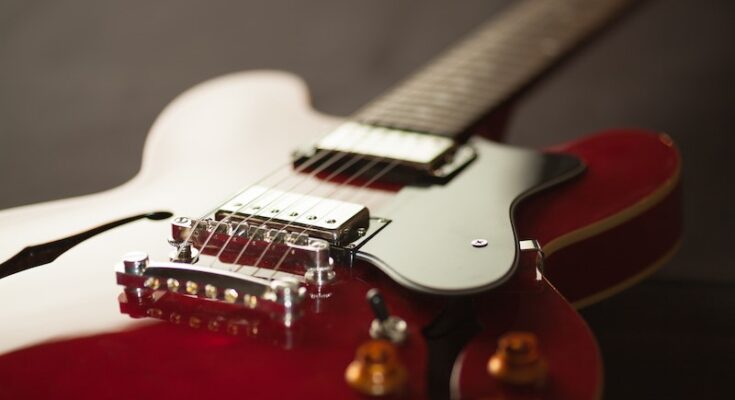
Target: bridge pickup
[337, 222]
[413, 153]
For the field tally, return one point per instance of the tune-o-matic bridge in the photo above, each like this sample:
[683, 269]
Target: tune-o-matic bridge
[279, 296]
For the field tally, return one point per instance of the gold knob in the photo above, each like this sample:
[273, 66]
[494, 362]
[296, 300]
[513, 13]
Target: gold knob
[376, 370]
[517, 361]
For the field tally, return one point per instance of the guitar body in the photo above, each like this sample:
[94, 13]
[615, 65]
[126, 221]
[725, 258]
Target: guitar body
[63, 326]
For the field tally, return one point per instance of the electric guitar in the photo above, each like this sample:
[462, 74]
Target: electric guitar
[268, 251]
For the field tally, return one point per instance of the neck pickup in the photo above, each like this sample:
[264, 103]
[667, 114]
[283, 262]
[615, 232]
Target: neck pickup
[401, 155]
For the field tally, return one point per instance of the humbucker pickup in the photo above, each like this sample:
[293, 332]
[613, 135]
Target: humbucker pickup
[420, 154]
[335, 221]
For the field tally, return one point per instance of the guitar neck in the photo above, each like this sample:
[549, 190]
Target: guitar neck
[463, 84]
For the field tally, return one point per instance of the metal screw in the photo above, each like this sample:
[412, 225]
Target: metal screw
[311, 217]
[331, 221]
[293, 214]
[479, 243]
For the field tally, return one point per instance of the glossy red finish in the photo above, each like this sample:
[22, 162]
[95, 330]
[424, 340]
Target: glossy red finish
[163, 359]
[173, 361]
[628, 197]
[611, 225]
[565, 342]
[260, 358]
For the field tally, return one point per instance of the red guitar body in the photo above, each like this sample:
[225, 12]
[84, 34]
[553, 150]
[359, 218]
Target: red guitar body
[601, 232]
[452, 260]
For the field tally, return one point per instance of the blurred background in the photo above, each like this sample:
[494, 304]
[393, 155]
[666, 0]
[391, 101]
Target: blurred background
[81, 82]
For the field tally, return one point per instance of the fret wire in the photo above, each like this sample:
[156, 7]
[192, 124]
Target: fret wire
[445, 100]
[399, 108]
[413, 119]
[490, 64]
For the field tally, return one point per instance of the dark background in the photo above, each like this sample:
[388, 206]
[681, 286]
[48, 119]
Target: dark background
[81, 82]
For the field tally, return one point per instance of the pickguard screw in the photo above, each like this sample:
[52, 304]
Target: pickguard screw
[479, 243]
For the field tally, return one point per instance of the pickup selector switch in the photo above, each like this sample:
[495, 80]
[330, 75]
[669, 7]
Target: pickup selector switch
[385, 326]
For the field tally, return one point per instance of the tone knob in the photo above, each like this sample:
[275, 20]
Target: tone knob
[517, 360]
[376, 370]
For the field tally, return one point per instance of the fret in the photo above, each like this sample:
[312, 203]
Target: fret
[487, 67]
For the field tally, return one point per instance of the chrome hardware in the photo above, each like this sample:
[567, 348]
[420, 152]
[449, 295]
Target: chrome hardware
[410, 147]
[260, 207]
[135, 262]
[190, 236]
[319, 276]
[310, 253]
[533, 245]
[461, 157]
[280, 298]
[172, 284]
[152, 283]
[385, 326]
[289, 293]
[322, 271]
[427, 154]
[183, 251]
[394, 329]
[479, 243]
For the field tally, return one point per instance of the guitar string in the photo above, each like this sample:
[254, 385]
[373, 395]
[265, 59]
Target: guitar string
[283, 257]
[369, 182]
[305, 212]
[198, 221]
[482, 31]
[300, 168]
[472, 57]
[306, 164]
[322, 167]
[338, 187]
[322, 199]
[335, 158]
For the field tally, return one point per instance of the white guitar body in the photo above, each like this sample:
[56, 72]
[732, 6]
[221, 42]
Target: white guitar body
[211, 141]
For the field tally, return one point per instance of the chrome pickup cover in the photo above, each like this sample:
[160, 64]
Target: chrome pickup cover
[336, 221]
[407, 146]
[427, 154]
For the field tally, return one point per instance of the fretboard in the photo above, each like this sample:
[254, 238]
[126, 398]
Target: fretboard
[469, 80]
